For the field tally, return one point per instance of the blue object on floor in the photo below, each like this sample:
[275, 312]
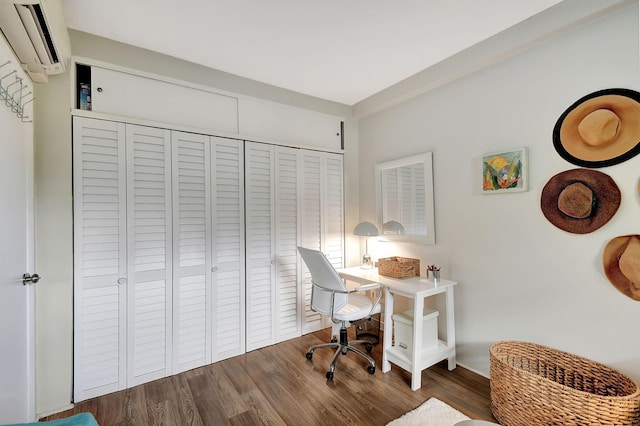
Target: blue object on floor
[82, 419]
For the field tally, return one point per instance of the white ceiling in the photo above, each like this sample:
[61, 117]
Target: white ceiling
[339, 50]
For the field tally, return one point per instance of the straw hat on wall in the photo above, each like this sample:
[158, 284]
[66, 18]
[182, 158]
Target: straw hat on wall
[621, 263]
[601, 129]
[580, 200]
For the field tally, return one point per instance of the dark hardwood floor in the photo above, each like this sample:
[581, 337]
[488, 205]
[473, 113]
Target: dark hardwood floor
[277, 385]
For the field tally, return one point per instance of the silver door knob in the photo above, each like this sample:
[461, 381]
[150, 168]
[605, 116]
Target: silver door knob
[214, 269]
[122, 281]
[30, 279]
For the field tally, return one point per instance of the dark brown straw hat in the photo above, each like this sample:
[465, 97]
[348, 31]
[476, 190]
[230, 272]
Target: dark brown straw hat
[580, 200]
[621, 263]
[601, 129]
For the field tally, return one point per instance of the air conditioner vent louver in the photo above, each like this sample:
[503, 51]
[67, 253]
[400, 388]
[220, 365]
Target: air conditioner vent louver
[44, 31]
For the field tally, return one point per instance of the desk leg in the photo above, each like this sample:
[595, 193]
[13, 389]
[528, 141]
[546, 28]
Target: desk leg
[388, 329]
[416, 356]
[451, 330]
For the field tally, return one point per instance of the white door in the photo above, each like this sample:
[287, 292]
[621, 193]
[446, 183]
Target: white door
[260, 244]
[16, 258]
[227, 248]
[191, 182]
[100, 257]
[287, 289]
[149, 297]
[321, 220]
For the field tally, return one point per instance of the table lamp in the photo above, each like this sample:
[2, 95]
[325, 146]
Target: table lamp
[366, 229]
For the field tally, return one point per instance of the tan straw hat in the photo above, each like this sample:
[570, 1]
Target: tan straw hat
[601, 129]
[621, 263]
[580, 200]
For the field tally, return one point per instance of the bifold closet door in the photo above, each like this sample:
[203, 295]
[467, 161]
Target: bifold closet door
[287, 289]
[273, 287]
[311, 229]
[227, 251]
[100, 264]
[209, 285]
[122, 256]
[149, 254]
[333, 208]
[260, 244]
[192, 331]
[321, 221]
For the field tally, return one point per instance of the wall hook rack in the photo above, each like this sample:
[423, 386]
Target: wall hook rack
[12, 92]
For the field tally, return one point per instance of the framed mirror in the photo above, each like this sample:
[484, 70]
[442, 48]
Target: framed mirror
[404, 196]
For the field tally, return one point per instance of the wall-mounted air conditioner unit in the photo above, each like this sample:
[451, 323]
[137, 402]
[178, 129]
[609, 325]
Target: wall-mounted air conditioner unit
[37, 33]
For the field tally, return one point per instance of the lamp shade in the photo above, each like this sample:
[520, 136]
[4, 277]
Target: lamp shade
[393, 227]
[366, 229]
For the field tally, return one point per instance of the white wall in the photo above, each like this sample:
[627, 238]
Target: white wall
[519, 276]
[54, 245]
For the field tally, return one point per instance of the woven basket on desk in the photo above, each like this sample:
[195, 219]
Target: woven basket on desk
[536, 385]
[399, 267]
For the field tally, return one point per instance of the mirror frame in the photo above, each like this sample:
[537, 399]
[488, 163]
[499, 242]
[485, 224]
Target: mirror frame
[427, 161]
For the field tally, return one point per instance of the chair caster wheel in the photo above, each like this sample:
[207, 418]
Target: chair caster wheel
[329, 375]
[371, 369]
[369, 348]
[309, 355]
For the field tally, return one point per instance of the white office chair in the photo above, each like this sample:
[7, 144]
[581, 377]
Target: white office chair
[329, 296]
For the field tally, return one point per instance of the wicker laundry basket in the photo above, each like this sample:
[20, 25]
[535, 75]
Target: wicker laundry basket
[537, 385]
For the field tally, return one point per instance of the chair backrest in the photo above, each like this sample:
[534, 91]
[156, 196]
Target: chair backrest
[323, 276]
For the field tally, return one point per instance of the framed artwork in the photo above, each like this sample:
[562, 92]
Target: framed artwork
[504, 171]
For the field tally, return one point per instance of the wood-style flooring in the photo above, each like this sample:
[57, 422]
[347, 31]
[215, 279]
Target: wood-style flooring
[277, 385]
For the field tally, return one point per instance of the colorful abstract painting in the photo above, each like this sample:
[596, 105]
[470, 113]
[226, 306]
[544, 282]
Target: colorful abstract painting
[504, 171]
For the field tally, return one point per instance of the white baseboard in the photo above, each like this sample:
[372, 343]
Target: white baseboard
[473, 370]
[56, 411]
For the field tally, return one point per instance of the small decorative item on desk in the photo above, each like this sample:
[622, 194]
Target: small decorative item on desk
[399, 267]
[433, 273]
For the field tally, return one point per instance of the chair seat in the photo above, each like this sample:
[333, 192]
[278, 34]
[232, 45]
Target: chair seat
[357, 307]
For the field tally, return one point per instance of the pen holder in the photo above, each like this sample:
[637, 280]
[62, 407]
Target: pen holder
[433, 275]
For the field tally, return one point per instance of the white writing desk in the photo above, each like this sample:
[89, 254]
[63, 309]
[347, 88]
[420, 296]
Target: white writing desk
[418, 289]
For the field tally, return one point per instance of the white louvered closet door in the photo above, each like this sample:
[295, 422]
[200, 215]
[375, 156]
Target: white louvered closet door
[273, 286]
[149, 248]
[99, 181]
[322, 220]
[287, 285]
[310, 229]
[260, 244]
[227, 251]
[191, 247]
[333, 209]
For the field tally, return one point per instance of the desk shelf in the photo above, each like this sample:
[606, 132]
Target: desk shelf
[429, 358]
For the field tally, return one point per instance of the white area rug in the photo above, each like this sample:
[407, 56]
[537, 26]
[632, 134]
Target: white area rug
[432, 413]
